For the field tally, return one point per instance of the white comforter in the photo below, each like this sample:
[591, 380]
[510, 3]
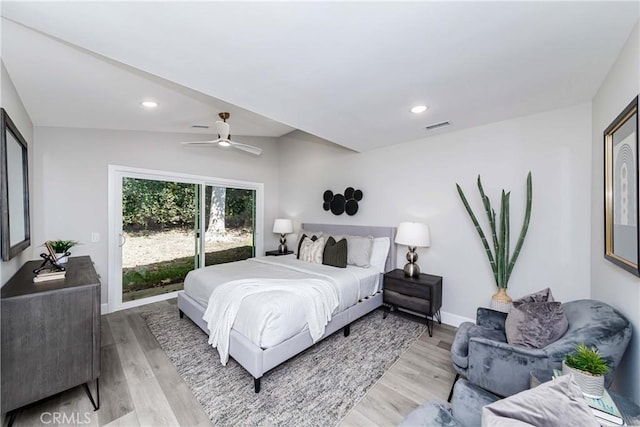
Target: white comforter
[269, 318]
[317, 297]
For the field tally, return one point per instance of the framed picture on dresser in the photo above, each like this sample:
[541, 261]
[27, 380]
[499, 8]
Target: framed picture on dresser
[621, 182]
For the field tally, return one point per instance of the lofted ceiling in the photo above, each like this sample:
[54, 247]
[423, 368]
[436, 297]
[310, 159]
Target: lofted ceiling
[348, 72]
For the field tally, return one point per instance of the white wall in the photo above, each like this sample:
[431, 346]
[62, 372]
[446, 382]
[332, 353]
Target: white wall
[11, 102]
[610, 283]
[71, 179]
[416, 181]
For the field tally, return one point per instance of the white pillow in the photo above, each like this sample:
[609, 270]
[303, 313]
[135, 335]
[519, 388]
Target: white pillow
[379, 253]
[311, 251]
[359, 250]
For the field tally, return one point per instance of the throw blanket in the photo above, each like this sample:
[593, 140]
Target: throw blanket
[319, 298]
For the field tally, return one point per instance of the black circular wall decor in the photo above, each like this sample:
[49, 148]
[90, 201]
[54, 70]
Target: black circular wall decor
[351, 207]
[338, 203]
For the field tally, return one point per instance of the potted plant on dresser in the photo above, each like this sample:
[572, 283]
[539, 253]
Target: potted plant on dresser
[501, 261]
[61, 248]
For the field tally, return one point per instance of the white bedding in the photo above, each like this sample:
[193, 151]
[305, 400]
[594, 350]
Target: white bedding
[318, 297]
[281, 317]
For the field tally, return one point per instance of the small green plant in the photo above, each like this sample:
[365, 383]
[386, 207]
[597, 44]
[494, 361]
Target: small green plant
[587, 360]
[62, 246]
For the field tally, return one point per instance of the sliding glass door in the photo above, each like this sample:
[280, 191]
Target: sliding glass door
[159, 236]
[229, 224]
[165, 225]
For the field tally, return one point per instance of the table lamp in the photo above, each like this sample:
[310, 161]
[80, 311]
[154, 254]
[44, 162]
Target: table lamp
[413, 235]
[282, 226]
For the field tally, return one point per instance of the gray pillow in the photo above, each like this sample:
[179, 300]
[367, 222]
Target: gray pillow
[540, 296]
[359, 250]
[556, 403]
[535, 324]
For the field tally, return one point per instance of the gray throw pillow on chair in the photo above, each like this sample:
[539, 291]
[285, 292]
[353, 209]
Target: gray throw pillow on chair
[535, 321]
[557, 403]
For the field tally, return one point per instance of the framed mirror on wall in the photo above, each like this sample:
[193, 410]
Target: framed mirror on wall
[621, 183]
[14, 191]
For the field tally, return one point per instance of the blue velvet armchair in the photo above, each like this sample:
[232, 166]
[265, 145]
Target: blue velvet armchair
[480, 351]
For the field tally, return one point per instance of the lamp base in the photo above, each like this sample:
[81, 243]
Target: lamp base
[282, 247]
[411, 270]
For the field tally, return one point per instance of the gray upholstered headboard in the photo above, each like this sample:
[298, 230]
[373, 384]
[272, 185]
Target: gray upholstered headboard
[361, 230]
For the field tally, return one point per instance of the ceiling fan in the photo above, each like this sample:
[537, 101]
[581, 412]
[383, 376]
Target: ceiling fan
[224, 138]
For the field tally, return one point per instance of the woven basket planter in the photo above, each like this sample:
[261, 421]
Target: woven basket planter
[501, 301]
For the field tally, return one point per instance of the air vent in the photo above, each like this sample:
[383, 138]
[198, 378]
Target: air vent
[437, 125]
[200, 126]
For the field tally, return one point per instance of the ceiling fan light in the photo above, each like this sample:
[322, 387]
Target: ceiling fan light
[224, 144]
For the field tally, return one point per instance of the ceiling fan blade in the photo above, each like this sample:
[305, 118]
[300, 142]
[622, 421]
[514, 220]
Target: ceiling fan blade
[248, 148]
[223, 140]
[210, 142]
[223, 129]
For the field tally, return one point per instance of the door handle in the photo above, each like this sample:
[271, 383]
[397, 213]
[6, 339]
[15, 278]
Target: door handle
[123, 240]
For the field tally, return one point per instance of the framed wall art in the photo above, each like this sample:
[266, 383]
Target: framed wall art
[621, 182]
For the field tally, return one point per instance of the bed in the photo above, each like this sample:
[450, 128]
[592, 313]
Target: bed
[257, 353]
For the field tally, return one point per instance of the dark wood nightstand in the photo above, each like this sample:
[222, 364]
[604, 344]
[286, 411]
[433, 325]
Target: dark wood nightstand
[277, 253]
[422, 295]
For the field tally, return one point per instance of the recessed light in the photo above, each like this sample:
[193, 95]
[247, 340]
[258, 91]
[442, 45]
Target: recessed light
[419, 109]
[149, 104]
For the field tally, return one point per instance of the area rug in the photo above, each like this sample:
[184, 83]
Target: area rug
[315, 388]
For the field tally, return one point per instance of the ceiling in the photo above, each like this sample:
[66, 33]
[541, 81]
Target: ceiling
[348, 72]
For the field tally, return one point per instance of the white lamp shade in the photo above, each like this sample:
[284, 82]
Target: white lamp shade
[413, 234]
[283, 226]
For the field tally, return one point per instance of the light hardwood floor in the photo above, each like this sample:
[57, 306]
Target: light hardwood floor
[140, 387]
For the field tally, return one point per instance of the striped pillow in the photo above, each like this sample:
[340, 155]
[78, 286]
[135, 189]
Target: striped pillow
[304, 235]
[311, 251]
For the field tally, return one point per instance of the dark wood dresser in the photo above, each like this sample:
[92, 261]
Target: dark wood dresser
[50, 333]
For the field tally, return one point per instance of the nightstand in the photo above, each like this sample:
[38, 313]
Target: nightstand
[420, 295]
[277, 253]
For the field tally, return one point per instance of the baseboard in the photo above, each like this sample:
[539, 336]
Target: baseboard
[104, 309]
[454, 319]
[447, 318]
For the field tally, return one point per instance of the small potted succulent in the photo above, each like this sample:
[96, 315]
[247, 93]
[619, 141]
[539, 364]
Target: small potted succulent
[588, 368]
[61, 248]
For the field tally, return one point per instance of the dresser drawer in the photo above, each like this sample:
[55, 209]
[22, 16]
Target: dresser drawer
[407, 287]
[405, 301]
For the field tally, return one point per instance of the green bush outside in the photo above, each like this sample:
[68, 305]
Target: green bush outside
[158, 205]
